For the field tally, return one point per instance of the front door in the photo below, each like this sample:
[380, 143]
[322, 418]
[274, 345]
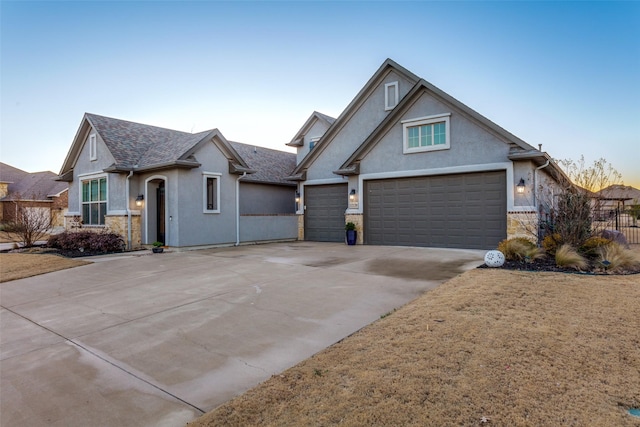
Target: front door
[160, 232]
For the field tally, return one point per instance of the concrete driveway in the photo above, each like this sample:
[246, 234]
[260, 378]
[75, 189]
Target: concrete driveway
[159, 339]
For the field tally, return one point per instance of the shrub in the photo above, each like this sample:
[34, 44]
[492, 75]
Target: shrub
[591, 246]
[517, 248]
[567, 256]
[614, 257]
[573, 217]
[551, 242]
[87, 241]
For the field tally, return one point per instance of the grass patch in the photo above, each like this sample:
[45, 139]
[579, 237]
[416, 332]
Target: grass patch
[568, 257]
[613, 257]
[18, 266]
[518, 348]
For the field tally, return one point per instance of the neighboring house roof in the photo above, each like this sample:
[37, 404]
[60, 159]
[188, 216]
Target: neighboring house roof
[138, 147]
[619, 192]
[270, 166]
[298, 139]
[30, 186]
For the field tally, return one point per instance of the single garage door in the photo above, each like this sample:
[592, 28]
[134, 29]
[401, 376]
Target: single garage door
[448, 211]
[324, 212]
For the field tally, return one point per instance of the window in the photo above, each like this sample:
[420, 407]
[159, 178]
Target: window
[211, 199]
[426, 134]
[94, 201]
[390, 95]
[93, 150]
[313, 142]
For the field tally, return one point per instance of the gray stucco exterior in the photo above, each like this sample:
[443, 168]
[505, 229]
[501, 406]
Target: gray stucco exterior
[173, 185]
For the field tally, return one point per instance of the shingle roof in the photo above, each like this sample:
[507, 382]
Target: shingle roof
[142, 145]
[271, 166]
[619, 192]
[10, 174]
[30, 186]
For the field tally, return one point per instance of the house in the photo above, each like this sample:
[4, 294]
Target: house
[406, 162]
[411, 165]
[36, 192]
[154, 184]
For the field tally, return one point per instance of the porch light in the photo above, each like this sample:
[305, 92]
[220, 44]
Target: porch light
[139, 200]
[352, 195]
[520, 186]
[297, 197]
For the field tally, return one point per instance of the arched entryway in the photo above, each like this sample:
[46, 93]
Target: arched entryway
[156, 227]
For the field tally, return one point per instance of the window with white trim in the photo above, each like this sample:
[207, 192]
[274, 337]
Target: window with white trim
[313, 142]
[211, 193]
[390, 95]
[426, 134]
[94, 201]
[93, 149]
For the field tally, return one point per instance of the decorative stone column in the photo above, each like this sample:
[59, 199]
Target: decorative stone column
[522, 224]
[358, 220]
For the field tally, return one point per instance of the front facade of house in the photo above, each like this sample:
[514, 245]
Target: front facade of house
[152, 184]
[406, 162]
[412, 166]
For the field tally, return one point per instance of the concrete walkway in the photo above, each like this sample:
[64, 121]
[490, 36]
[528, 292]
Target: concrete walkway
[156, 340]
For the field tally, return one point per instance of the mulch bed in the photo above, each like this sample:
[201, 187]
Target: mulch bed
[548, 264]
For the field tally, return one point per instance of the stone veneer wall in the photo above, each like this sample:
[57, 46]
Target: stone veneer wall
[118, 224]
[522, 224]
[301, 227]
[357, 219]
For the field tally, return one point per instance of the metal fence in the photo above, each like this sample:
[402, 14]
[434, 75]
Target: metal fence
[617, 220]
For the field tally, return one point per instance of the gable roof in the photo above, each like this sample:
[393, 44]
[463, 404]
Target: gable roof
[298, 139]
[350, 166]
[270, 166]
[30, 186]
[138, 147]
[371, 85]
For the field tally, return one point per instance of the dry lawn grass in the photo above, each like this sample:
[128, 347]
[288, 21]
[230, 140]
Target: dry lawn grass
[19, 265]
[519, 348]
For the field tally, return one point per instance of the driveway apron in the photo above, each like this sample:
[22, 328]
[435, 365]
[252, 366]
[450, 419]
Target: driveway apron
[157, 340]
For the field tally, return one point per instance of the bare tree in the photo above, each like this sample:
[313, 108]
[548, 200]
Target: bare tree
[30, 221]
[593, 178]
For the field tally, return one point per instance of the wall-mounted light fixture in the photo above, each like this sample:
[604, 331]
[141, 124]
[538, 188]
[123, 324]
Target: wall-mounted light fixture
[297, 197]
[520, 186]
[352, 195]
[139, 200]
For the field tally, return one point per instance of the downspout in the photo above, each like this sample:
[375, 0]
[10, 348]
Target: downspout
[128, 212]
[238, 208]
[535, 182]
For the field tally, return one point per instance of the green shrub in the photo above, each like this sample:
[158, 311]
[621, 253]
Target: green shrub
[517, 248]
[567, 256]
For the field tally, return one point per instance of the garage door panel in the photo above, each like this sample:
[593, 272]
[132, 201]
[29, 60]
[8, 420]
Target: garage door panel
[464, 210]
[324, 212]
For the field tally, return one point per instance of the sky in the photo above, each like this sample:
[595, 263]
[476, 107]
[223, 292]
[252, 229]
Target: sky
[562, 74]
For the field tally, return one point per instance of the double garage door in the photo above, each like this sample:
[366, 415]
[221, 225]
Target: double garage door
[448, 211]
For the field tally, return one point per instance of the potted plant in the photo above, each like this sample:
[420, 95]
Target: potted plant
[352, 234]
[157, 247]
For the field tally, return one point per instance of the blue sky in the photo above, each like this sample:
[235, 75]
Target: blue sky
[562, 74]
